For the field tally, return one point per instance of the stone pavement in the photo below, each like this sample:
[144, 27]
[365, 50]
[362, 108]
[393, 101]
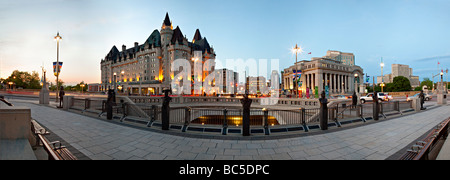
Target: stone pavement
[99, 139]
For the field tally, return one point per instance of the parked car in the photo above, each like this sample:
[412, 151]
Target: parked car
[427, 97]
[369, 97]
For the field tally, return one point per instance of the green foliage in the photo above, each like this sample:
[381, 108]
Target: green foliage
[400, 84]
[426, 82]
[24, 80]
[53, 87]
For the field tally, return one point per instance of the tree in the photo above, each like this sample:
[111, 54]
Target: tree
[24, 80]
[78, 86]
[426, 82]
[401, 84]
[53, 87]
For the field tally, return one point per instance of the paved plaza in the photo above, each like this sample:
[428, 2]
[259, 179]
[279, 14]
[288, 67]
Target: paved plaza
[99, 139]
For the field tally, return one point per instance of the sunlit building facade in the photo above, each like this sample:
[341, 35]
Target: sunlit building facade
[146, 68]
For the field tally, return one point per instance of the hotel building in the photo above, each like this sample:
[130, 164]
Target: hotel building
[146, 68]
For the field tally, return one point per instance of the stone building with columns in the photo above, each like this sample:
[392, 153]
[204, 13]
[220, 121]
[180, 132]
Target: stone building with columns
[145, 68]
[320, 74]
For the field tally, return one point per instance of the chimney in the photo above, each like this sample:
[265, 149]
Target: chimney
[124, 47]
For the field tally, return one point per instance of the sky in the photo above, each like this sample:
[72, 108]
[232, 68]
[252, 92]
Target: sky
[412, 32]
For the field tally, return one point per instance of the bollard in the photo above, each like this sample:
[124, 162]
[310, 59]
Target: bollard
[323, 114]
[109, 105]
[376, 107]
[165, 110]
[225, 122]
[266, 121]
[246, 103]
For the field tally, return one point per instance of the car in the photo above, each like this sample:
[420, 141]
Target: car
[369, 97]
[427, 97]
[339, 97]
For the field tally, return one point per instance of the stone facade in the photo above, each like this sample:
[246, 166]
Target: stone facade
[146, 68]
[320, 73]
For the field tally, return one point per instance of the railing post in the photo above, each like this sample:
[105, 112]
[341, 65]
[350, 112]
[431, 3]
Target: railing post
[153, 117]
[124, 110]
[266, 121]
[303, 118]
[187, 118]
[397, 107]
[323, 114]
[382, 110]
[225, 122]
[361, 113]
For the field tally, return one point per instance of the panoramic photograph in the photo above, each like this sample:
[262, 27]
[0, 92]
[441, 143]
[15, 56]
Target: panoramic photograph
[195, 81]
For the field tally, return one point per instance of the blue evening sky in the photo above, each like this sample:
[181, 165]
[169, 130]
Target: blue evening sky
[412, 32]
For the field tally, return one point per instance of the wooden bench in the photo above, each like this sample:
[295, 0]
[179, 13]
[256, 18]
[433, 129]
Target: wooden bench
[422, 149]
[55, 150]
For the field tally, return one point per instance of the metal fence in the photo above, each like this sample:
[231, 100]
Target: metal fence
[224, 117]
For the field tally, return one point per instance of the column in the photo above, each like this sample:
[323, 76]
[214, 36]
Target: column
[348, 83]
[325, 81]
[331, 83]
[340, 83]
[319, 84]
[335, 83]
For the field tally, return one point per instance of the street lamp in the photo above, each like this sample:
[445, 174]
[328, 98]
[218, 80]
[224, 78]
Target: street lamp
[57, 39]
[115, 79]
[382, 77]
[10, 85]
[356, 83]
[82, 87]
[296, 50]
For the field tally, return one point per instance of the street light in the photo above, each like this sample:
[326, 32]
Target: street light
[10, 85]
[382, 76]
[115, 79]
[82, 87]
[57, 39]
[296, 50]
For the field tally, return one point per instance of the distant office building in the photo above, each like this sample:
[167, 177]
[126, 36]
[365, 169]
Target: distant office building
[400, 70]
[343, 57]
[230, 80]
[257, 85]
[146, 68]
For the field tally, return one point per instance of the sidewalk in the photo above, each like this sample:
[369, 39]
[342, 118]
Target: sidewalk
[100, 139]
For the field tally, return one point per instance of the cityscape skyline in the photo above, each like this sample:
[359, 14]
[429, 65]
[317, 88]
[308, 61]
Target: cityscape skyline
[400, 32]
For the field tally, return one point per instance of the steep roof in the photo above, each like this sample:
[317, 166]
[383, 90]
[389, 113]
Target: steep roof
[154, 39]
[202, 45]
[177, 35]
[167, 20]
[197, 36]
[112, 55]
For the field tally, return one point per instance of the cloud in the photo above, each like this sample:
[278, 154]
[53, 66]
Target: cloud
[436, 58]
